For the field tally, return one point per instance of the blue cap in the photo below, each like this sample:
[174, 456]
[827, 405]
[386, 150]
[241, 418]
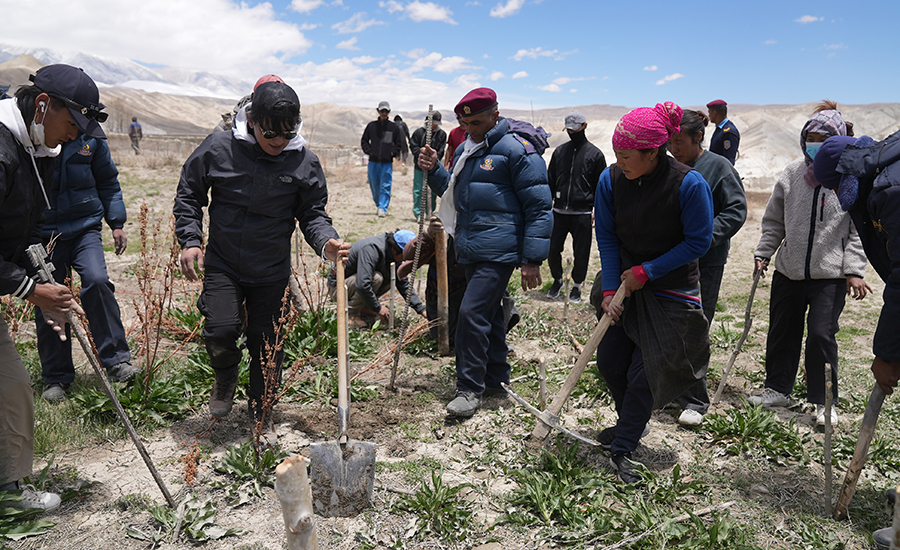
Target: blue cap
[403, 237]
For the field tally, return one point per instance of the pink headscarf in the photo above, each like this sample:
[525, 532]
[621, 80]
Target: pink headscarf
[646, 128]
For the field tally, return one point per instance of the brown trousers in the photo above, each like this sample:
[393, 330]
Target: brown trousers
[16, 412]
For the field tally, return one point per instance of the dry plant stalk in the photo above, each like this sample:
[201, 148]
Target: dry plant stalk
[387, 354]
[190, 461]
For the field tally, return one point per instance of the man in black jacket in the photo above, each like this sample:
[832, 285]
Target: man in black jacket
[574, 170]
[262, 178]
[62, 102]
[416, 142]
[381, 142]
[404, 138]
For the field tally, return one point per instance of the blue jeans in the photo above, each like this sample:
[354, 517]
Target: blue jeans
[481, 329]
[380, 175]
[418, 181]
[84, 253]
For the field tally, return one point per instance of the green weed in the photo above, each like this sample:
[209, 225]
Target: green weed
[197, 522]
[755, 431]
[440, 510]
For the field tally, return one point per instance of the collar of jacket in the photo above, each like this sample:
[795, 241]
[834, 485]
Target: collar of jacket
[497, 132]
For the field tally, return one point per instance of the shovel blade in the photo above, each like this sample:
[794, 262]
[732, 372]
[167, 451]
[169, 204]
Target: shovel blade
[343, 477]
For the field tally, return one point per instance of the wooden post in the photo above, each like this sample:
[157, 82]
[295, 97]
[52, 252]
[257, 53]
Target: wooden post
[443, 287]
[828, 432]
[566, 291]
[866, 431]
[542, 382]
[295, 496]
[393, 286]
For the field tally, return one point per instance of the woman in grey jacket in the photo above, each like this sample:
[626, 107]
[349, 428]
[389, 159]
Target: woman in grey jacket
[821, 259]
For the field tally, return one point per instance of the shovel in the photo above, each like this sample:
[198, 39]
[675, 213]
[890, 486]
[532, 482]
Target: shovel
[342, 472]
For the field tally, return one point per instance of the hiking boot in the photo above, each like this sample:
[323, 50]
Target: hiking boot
[554, 289]
[575, 295]
[54, 393]
[625, 468]
[122, 372]
[882, 538]
[222, 399]
[464, 404]
[770, 398]
[820, 415]
[690, 417]
[32, 499]
[497, 393]
[606, 436]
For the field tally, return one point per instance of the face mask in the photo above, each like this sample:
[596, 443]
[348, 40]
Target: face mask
[36, 131]
[812, 149]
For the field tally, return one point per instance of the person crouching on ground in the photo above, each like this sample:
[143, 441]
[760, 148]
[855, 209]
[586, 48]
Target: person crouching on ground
[368, 277]
[729, 214]
[654, 221]
[819, 261]
[261, 178]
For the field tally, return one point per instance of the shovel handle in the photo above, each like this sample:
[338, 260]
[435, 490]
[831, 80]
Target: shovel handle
[866, 431]
[342, 337]
[541, 430]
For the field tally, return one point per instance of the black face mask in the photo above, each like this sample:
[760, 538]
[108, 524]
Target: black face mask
[577, 137]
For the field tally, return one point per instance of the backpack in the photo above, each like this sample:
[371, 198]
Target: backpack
[534, 139]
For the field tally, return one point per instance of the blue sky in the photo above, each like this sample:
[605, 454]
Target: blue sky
[548, 53]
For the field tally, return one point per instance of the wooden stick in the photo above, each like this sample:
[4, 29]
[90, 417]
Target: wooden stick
[566, 291]
[295, 496]
[828, 432]
[748, 322]
[443, 287]
[866, 431]
[342, 353]
[541, 429]
[542, 382]
[391, 300]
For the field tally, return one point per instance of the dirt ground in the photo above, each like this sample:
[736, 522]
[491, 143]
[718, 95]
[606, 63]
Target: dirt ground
[408, 425]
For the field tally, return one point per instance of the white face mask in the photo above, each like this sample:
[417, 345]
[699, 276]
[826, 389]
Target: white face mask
[36, 131]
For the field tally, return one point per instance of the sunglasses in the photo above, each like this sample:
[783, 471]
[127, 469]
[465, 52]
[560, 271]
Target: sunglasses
[93, 113]
[272, 134]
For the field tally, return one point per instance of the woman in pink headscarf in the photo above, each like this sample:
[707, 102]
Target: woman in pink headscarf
[654, 219]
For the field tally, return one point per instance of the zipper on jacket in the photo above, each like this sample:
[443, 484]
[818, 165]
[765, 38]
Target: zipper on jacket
[822, 210]
[812, 233]
[571, 173]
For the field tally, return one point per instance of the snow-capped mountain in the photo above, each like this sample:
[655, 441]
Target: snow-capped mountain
[117, 71]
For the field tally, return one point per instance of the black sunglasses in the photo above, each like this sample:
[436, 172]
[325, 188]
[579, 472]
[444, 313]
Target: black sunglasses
[93, 113]
[272, 134]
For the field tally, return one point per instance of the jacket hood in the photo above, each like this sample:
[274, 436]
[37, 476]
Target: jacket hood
[11, 117]
[242, 131]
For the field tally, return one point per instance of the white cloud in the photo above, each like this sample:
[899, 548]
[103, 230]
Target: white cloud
[305, 6]
[364, 59]
[466, 82]
[349, 44]
[808, 19]
[520, 74]
[650, 68]
[551, 88]
[415, 54]
[563, 80]
[195, 33]
[669, 78]
[496, 75]
[357, 23]
[308, 26]
[391, 5]
[534, 53]
[420, 11]
[438, 62]
[573, 91]
[838, 46]
[770, 42]
[505, 10]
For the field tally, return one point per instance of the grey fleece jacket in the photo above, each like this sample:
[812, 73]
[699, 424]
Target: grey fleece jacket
[817, 238]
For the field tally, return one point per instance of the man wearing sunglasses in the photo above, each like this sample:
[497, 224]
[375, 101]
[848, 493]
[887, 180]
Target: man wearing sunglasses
[261, 178]
[33, 125]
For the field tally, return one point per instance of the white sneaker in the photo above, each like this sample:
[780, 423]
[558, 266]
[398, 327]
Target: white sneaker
[32, 499]
[690, 417]
[820, 415]
[770, 398]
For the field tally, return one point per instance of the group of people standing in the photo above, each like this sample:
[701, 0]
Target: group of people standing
[663, 216]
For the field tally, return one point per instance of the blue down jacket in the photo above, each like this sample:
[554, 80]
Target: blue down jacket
[85, 190]
[502, 202]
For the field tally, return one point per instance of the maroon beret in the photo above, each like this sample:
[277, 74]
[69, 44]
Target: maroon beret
[476, 101]
[716, 103]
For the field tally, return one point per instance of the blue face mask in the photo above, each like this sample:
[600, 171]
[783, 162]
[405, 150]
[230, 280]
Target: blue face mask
[812, 149]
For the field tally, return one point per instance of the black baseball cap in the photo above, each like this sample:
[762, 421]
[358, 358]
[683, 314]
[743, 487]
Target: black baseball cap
[274, 100]
[75, 88]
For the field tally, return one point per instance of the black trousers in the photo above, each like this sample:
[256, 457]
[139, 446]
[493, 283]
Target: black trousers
[697, 398]
[579, 225]
[621, 364]
[790, 300]
[233, 309]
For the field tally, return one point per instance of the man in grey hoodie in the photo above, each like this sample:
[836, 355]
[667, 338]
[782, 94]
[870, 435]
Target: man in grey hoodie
[33, 126]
